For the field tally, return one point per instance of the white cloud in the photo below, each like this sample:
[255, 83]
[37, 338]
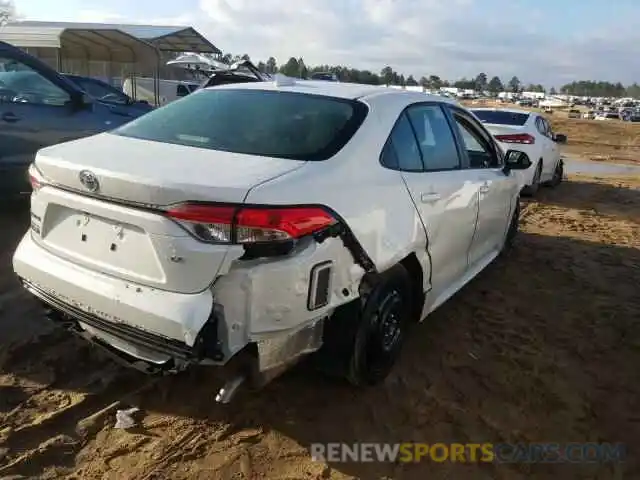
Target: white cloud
[451, 38]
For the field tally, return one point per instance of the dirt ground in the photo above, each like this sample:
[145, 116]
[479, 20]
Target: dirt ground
[598, 140]
[542, 347]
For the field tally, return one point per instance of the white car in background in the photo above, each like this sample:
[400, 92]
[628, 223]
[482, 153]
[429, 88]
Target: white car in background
[608, 116]
[529, 132]
[265, 221]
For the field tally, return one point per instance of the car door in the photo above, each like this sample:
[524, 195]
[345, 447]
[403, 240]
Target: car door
[496, 189]
[554, 148]
[38, 108]
[549, 148]
[34, 113]
[422, 146]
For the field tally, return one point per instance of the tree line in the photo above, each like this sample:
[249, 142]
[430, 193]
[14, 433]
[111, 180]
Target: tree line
[296, 67]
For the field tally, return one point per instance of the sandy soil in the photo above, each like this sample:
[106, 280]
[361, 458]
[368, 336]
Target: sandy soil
[542, 346]
[598, 140]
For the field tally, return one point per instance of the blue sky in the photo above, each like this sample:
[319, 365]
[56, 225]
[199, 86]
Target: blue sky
[540, 41]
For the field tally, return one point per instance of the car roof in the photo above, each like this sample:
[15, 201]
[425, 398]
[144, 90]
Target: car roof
[344, 90]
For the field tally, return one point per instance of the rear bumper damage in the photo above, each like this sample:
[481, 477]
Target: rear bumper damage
[257, 313]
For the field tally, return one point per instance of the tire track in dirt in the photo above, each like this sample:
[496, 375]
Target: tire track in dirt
[66, 430]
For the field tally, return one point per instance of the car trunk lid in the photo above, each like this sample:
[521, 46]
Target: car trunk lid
[155, 173]
[120, 229]
[498, 129]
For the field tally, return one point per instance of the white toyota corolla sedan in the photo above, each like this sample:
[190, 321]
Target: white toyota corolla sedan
[531, 133]
[265, 221]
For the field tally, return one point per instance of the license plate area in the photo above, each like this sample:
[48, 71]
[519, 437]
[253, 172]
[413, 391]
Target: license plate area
[95, 241]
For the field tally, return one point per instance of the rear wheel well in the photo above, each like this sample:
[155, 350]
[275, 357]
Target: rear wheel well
[411, 264]
[413, 267]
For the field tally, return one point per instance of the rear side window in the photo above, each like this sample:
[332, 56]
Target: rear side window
[401, 151]
[501, 117]
[543, 127]
[435, 138]
[278, 124]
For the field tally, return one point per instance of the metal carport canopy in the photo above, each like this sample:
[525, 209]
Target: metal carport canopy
[164, 38]
[101, 44]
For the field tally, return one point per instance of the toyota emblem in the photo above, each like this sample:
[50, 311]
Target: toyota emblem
[89, 181]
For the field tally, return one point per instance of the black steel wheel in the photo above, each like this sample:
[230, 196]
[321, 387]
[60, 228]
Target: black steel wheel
[531, 190]
[512, 232]
[558, 174]
[364, 338]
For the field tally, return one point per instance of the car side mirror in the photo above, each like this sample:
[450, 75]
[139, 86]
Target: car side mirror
[81, 101]
[560, 138]
[516, 160]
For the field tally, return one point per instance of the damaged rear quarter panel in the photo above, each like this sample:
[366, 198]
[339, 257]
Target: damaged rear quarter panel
[267, 298]
[262, 298]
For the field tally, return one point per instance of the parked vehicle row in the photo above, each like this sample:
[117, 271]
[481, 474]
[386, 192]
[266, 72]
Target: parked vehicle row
[264, 221]
[607, 116]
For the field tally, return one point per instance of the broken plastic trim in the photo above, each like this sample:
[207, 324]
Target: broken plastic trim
[341, 230]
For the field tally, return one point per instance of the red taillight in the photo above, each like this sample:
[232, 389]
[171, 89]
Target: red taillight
[517, 138]
[35, 178]
[238, 224]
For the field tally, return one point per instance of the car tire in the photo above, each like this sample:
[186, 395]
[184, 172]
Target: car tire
[531, 190]
[513, 229]
[558, 174]
[363, 339]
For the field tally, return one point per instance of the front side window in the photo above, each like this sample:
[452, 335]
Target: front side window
[19, 83]
[266, 123]
[480, 152]
[101, 91]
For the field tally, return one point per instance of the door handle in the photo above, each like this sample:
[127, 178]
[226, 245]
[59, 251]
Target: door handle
[484, 188]
[10, 117]
[429, 197]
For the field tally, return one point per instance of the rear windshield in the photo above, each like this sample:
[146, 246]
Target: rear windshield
[501, 117]
[255, 122]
